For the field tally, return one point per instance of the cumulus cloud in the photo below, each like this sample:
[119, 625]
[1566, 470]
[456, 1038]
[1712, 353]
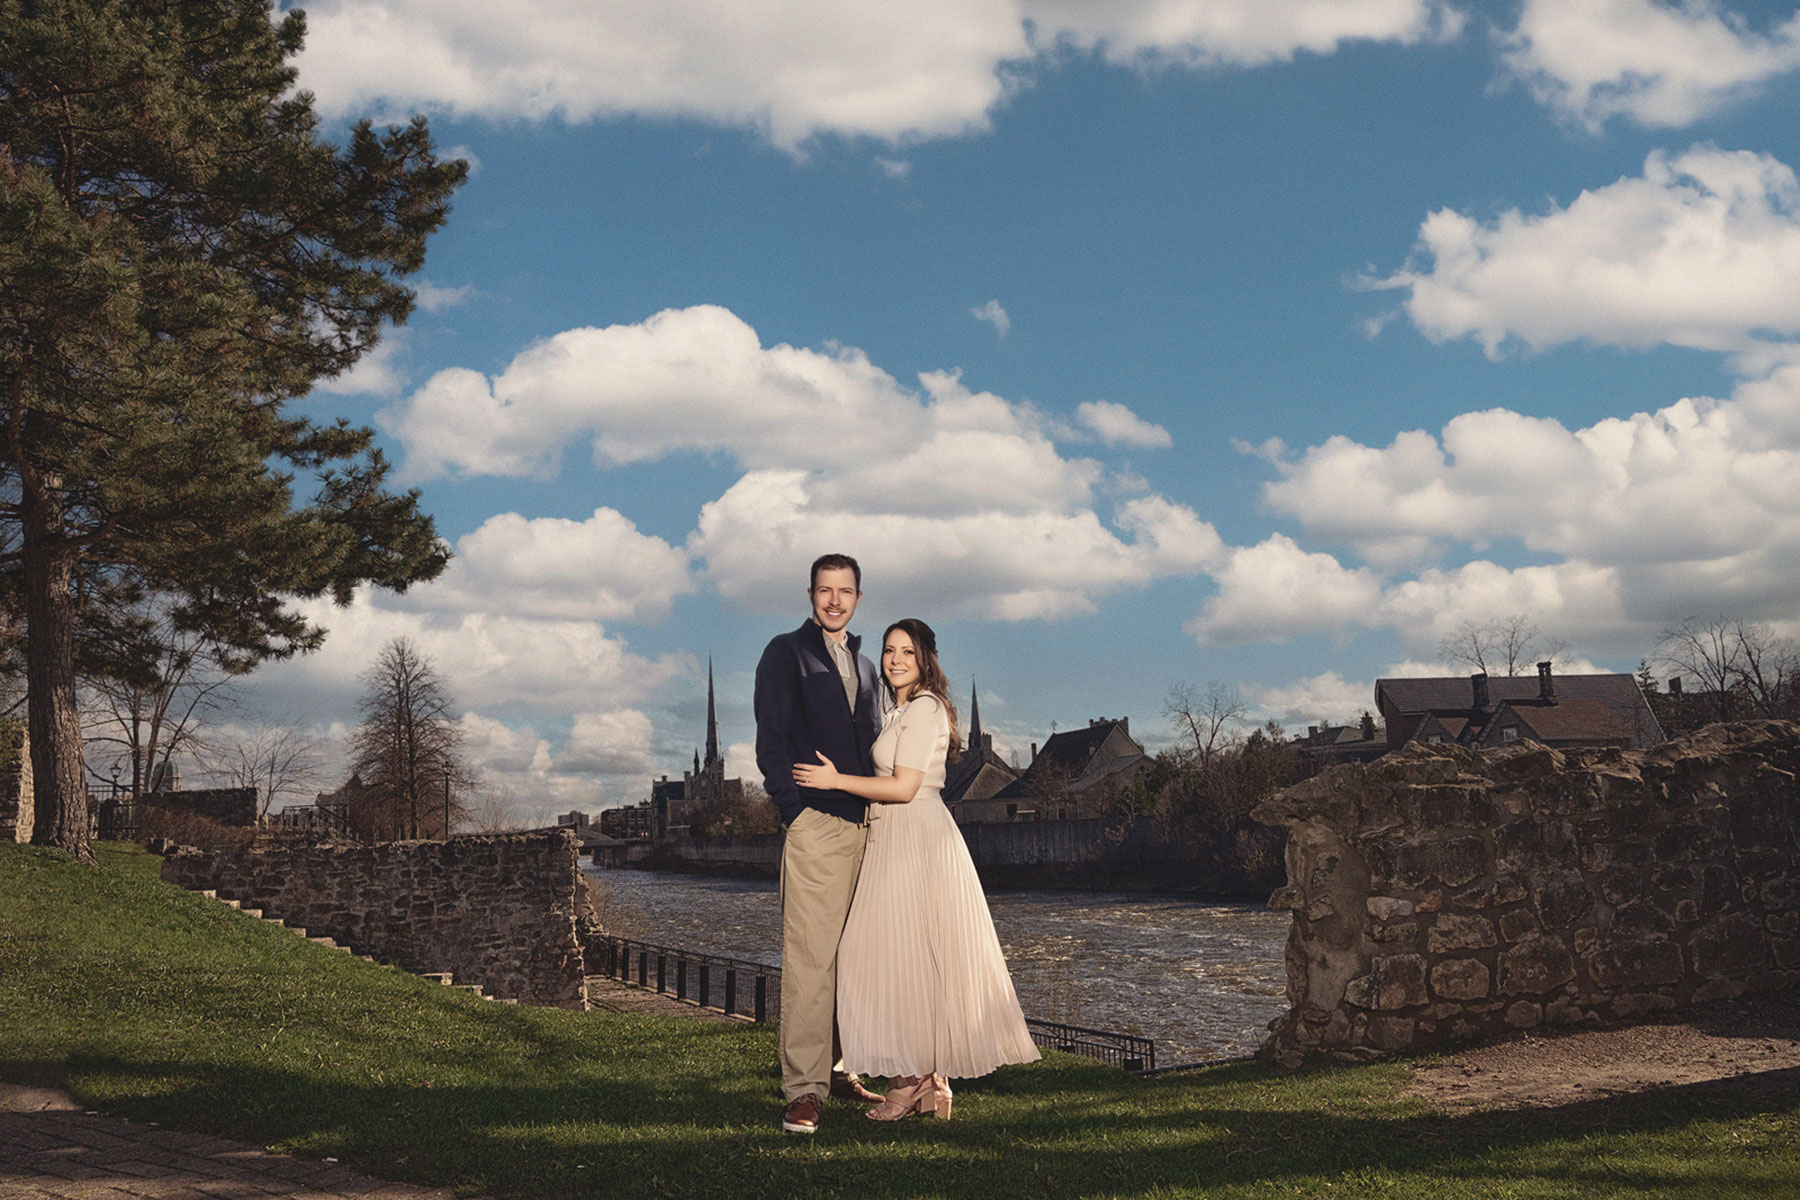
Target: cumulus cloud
[992, 314]
[1275, 590]
[1117, 425]
[1238, 33]
[1701, 250]
[1327, 699]
[1658, 64]
[380, 372]
[963, 496]
[431, 298]
[598, 569]
[855, 68]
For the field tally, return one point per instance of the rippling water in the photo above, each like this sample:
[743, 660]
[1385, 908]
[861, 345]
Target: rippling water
[1202, 979]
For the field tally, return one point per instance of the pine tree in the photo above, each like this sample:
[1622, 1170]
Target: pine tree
[181, 254]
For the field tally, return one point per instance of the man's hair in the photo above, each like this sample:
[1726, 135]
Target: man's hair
[834, 562]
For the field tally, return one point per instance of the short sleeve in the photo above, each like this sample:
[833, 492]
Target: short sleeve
[916, 744]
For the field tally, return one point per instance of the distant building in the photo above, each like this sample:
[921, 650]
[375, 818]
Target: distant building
[629, 822]
[1554, 710]
[673, 802]
[1325, 746]
[973, 781]
[1076, 774]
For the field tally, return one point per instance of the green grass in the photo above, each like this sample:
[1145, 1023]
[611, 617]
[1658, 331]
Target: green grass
[147, 1002]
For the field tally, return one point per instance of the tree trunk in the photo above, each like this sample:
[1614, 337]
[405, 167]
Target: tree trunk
[61, 808]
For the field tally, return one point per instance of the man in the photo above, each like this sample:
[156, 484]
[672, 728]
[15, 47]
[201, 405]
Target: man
[816, 695]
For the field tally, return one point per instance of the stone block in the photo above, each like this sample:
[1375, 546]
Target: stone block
[1786, 952]
[1624, 964]
[1455, 932]
[1517, 924]
[1461, 979]
[1451, 861]
[1533, 967]
[1523, 1014]
[1394, 981]
[1688, 841]
[1388, 932]
[1606, 856]
[1719, 889]
[1492, 895]
[1782, 923]
[1560, 900]
[1431, 900]
[1686, 912]
[1585, 939]
[1733, 944]
[1391, 1033]
[1288, 898]
[1641, 919]
[1388, 908]
[1524, 845]
[1780, 893]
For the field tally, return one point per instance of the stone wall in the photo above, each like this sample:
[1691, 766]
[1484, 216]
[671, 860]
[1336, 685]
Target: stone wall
[1441, 892]
[17, 799]
[496, 910]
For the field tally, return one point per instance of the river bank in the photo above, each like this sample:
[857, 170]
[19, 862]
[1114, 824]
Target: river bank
[1203, 979]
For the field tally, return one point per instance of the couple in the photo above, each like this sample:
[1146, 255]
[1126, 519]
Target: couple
[907, 980]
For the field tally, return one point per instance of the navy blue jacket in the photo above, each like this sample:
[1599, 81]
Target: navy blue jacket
[801, 710]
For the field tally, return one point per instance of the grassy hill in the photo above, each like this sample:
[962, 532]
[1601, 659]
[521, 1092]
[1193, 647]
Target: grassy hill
[148, 1002]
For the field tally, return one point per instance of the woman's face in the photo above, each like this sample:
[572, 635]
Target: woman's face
[899, 661]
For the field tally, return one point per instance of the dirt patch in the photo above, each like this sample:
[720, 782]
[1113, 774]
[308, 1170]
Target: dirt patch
[1753, 1043]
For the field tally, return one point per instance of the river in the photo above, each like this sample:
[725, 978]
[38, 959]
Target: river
[1202, 979]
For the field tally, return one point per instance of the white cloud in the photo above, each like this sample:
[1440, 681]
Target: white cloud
[610, 743]
[854, 68]
[599, 569]
[1235, 32]
[431, 298]
[380, 372]
[893, 168]
[1658, 64]
[1117, 425]
[1327, 699]
[959, 495]
[1274, 591]
[1702, 250]
[991, 313]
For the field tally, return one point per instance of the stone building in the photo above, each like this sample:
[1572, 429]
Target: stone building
[1563, 711]
[1076, 774]
[1325, 746]
[973, 781]
[673, 802]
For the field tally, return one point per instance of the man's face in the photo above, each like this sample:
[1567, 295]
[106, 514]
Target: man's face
[834, 598]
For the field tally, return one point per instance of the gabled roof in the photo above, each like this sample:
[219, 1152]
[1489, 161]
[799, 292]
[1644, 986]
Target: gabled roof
[1570, 720]
[1072, 751]
[1454, 694]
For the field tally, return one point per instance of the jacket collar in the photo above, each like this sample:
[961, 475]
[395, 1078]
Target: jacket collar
[814, 633]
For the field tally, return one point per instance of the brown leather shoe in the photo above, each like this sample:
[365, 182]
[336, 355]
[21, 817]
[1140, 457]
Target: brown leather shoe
[850, 1087]
[802, 1115]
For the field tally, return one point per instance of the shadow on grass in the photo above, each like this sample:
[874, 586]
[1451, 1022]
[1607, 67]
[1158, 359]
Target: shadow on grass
[1060, 1128]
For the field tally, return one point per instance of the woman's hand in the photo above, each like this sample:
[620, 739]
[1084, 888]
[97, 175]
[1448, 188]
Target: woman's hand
[811, 775]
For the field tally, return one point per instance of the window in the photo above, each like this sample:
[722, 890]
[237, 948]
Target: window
[1509, 735]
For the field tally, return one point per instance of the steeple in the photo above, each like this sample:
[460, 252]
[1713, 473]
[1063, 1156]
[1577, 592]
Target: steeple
[974, 717]
[712, 718]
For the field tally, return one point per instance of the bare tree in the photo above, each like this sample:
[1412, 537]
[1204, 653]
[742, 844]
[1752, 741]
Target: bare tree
[280, 761]
[1503, 646]
[147, 709]
[1206, 722]
[408, 749]
[1742, 668]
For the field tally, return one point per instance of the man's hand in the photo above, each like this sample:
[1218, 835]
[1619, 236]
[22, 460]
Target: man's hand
[810, 775]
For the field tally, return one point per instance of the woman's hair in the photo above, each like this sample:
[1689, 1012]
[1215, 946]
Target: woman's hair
[931, 675]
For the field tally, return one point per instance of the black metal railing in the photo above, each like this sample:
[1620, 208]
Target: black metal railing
[740, 987]
[1125, 1050]
[736, 987]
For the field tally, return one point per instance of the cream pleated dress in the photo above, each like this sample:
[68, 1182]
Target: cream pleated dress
[922, 984]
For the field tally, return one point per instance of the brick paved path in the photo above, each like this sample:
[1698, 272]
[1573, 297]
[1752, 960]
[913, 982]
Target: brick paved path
[51, 1150]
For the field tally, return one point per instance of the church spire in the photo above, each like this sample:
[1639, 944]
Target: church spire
[974, 717]
[712, 718]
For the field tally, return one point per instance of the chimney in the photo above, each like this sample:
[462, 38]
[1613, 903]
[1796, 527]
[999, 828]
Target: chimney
[1546, 689]
[1034, 752]
[1674, 685]
[1368, 724]
[1478, 681]
[1312, 731]
[1125, 725]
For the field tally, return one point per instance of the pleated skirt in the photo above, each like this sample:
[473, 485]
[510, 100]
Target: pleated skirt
[922, 983]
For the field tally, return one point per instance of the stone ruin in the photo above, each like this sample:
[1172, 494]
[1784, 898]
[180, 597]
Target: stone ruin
[1441, 892]
[509, 913]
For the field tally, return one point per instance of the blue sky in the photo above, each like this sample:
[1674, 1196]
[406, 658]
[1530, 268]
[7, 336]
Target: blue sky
[1132, 345]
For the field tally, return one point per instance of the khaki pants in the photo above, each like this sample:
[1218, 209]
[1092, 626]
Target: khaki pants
[820, 857]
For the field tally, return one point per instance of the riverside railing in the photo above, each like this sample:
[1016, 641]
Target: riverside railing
[740, 987]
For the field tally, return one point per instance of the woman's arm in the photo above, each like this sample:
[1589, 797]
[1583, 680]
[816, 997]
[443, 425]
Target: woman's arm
[897, 788]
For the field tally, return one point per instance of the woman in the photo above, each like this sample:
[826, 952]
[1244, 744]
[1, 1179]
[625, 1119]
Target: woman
[923, 992]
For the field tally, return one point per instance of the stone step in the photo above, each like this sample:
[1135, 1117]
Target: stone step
[324, 941]
[252, 912]
[210, 894]
[442, 977]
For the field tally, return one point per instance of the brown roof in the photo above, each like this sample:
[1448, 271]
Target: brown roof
[1571, 720]
[1455, 694]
